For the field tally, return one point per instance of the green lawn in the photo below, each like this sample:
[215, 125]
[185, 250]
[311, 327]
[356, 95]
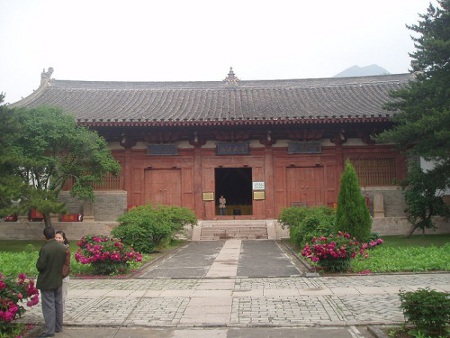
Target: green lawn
[416, 240]
[397, 253]
[20, 256]
[28, 245]
[418, 253]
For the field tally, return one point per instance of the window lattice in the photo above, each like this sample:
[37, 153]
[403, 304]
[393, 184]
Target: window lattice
[110, 182]
[375, 171]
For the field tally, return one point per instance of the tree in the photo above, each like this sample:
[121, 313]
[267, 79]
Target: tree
[422, 109]
[47, 149]
[352, 215]
[422, 199]
[10, 185]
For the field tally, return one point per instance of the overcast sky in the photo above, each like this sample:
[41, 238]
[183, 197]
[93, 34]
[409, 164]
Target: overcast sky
[199, 40]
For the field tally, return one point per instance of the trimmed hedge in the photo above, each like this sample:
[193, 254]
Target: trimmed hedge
[305, 223]
[147, 227]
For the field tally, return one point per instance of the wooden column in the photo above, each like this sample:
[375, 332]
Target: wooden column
[269, 181]
[127, 175]
[199, 205]
[339, 139]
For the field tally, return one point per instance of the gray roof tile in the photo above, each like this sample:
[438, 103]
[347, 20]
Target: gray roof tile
[304, 99]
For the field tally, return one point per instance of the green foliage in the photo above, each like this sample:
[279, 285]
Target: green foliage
[147, 227]
[428, 310]
[44, 147]
[421, 198]
[398, 241]
[14, 263]
[178, 217]
[422, 109]
[10, 185]
[305, 223]
[408, 257]
[24, 261]
[352, 215]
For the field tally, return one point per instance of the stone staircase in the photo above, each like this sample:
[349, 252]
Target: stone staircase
[237, 229]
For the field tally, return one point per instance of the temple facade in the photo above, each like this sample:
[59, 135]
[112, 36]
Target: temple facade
[262, 145]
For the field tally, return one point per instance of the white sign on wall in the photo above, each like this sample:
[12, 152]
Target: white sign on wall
[259, 185]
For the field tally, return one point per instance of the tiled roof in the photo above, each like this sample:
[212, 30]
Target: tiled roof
[149, 103]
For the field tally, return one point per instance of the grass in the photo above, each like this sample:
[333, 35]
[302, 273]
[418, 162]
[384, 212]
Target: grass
[419, 253]
[20, 256]
[416, 240]
[27, 245]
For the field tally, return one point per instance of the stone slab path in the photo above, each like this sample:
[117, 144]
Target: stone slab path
[225, 295]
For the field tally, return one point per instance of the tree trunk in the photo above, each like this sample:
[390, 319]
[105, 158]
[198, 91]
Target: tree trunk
[411, 230]
[47, 220]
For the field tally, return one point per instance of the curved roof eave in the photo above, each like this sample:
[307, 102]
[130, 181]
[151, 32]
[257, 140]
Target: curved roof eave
[263, 102]
[234, 122]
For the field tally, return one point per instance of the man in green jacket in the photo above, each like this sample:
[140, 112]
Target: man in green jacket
[50, 266]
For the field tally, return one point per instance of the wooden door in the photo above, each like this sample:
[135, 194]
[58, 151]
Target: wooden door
[163, 186]
[305, 186]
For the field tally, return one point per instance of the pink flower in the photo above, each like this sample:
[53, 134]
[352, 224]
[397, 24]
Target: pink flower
[34, 300]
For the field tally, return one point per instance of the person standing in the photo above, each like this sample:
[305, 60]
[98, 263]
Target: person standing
[60, 237]
[222, 205]
[50, 266]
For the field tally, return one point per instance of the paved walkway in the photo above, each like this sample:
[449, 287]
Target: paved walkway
[223, 298]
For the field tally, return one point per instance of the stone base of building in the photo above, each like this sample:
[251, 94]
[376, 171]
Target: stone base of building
[22, 230]
[73, 230]
[401, 226]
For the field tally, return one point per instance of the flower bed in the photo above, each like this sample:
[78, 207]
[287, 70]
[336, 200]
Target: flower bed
[334, 253]
[13, 292]
[106, 255]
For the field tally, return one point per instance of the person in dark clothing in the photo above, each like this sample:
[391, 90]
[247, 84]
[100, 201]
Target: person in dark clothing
[50, 266]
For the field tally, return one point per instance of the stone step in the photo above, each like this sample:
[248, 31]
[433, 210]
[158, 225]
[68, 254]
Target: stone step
[222, 231]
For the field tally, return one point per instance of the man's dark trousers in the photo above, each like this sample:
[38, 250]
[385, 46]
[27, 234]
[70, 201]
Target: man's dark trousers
[52, 310]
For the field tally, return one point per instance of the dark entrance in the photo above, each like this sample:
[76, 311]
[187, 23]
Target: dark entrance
[235, 184]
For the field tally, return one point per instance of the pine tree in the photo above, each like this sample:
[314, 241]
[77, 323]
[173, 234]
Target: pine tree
[422, 117]
[352, 215]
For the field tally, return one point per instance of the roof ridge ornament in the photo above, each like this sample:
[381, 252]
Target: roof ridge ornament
[231, 80]
[46, 76]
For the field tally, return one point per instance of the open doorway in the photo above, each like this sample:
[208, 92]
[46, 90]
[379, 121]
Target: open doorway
[235, 185]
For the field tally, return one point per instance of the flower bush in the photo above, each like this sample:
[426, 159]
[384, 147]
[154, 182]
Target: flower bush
[371, 244]
[13, 292]
[106, 255]
[333, 253]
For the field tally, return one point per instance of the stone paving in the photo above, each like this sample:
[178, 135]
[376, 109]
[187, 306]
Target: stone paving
[222, 297]
[241, 302]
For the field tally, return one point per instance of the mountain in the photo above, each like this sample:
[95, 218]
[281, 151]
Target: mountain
[363, 71]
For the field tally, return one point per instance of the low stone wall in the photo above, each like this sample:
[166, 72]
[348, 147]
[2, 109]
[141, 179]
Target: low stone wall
[74, 231]
[392, 201]
[33, 230]
[401, 226]
[108, 205]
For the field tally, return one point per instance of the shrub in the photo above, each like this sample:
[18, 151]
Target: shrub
[106, 255]
[146, 227]
[428, 310]
[13, 292]
[352, 215]
[422, 197]
[178, 217]
[333, 253]
[305, 223]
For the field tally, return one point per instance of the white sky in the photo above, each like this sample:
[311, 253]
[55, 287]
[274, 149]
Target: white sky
[198, 40]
